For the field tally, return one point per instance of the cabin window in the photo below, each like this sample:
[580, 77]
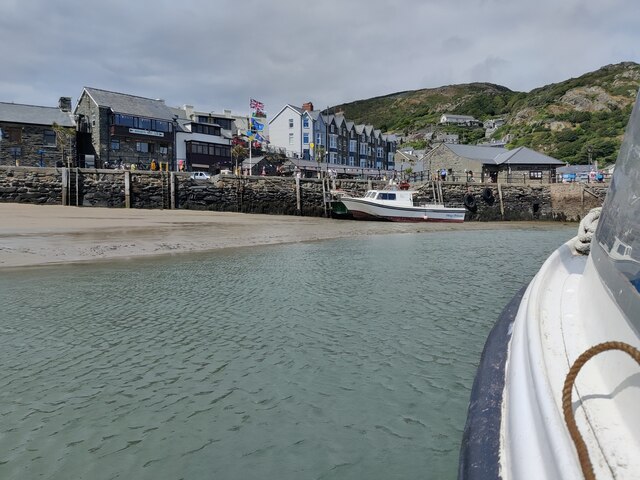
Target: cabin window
[386, 196]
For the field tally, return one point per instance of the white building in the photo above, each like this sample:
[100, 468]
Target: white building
[466, 120]
[203, 140]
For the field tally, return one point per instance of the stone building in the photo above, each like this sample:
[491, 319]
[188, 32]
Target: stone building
[117, 128]
[488, 163]
[37, 136]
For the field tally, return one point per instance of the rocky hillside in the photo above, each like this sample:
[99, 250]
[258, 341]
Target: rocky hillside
[572, 120]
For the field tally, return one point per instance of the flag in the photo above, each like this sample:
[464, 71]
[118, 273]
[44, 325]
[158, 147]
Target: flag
[257, 126]
[250, 134]
[259, 137]
[256, 104]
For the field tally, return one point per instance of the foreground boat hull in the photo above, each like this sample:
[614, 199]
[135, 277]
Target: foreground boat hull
[363, 210]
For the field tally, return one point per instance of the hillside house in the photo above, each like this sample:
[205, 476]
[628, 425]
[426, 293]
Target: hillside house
[460, 120]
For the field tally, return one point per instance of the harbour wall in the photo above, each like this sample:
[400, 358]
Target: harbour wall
[280, 195]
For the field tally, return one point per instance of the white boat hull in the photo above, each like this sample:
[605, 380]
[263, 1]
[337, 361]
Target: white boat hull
[366, 210]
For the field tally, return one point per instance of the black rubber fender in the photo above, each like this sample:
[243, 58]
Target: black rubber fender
[470, 202]
[487, 196]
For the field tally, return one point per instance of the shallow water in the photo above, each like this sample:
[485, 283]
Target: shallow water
[346, 359]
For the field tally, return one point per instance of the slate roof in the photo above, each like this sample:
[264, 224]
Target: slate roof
[500, 156]
[574, 169]
[130, 104]
[35, 115]
[525, 156]
[474, 152]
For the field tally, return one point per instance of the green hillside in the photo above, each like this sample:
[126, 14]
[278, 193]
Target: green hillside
[570, 120]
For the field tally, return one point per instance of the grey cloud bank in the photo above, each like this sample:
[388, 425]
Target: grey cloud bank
[218, 54]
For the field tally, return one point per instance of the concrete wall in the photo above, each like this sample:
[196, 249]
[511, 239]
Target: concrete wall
[278, 195]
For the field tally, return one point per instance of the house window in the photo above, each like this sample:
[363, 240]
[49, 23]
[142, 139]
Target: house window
[144, 147]
[115, 144]
[305, 138]
[333, 141]
[305, 122]
[333, 128]
[15, 152]
[363, 149]
[332, 157]
[291, 139]
[535, 174]
[124, 120]
[164, 149]
[379, 152]
[144, 123]
[352, 145]
[319, 138]
[49, 138]
[291, 123]
[15, 135]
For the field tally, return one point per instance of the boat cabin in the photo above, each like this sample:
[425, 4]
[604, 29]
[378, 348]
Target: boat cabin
[394, 197]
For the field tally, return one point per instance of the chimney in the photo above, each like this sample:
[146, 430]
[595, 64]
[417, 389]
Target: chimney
[64, 104]
[307, 106]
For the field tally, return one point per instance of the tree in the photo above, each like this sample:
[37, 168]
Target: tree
[64, 140]
[239, 153]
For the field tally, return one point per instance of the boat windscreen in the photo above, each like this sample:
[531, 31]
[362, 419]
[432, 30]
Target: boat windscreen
[616, 247]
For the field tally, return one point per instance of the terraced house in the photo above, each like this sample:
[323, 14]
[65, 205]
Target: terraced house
[330, 139]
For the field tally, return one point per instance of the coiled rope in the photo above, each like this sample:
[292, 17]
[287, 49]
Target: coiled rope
[588, 225]
[569, 418]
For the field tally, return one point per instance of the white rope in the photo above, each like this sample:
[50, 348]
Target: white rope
[582, 242]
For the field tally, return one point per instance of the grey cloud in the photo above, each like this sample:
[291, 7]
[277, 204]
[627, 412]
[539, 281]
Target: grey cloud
[218, 54]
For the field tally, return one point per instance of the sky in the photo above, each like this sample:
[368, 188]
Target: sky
[218, 54]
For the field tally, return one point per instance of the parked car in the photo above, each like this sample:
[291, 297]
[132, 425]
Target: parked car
[200, 176]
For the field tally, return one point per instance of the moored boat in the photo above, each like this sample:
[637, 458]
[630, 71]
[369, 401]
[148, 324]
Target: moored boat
[395, 205]
[557, 391]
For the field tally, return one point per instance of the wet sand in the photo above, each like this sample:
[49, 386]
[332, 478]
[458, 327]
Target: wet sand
[33, 235]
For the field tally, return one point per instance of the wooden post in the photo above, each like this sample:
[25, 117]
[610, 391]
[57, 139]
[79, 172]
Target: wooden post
[127, 189]
[298, 202]
[172, 187]
[324, 196]
[65, 183]
[77, 187]
[501, 202]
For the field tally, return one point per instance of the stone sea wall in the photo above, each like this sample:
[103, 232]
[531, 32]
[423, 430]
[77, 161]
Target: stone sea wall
[279, 195]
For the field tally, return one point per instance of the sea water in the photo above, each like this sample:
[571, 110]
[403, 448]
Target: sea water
[343, 359]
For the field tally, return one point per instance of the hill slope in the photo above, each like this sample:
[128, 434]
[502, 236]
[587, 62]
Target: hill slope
[572, 120]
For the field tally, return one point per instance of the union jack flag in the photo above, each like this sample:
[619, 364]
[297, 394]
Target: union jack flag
[256, 104]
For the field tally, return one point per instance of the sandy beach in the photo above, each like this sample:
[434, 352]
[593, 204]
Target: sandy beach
[33, 235]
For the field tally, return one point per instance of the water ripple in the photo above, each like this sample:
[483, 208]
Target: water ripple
[343, 359]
